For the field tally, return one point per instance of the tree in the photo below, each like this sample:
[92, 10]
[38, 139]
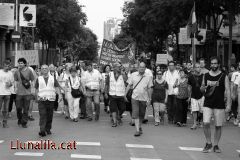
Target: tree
[150, 22]
[83, 46]
[58, 21]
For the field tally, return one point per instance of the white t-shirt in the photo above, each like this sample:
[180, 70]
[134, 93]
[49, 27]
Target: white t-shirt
[235, 76]
[6, 77]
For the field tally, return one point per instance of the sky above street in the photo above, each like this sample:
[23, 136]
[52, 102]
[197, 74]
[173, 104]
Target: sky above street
[98, 11]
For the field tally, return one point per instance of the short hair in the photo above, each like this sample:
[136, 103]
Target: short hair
[9, 59]
[234, 66]
[202, 59]
[196, 64]
[22, 60]
[88, 63]
[215, 58]
[6, 62]
[172, 62]
[104, 68]
[73, 69]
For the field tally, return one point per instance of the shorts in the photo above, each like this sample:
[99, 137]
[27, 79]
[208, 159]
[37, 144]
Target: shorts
[219, 116]
[117, 104]
[90, 93]
[138, 109]
[197, 104]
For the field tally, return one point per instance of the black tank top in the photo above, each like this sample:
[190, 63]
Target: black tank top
[216, 100]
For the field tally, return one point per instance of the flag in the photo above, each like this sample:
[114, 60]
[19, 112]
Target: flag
[192, 23]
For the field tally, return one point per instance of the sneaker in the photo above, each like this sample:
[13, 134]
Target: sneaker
[137, 134]
[19, 122]
[4, 124]
[144, 121]
[66, 117]
[42, 134]
[156, 123]
[30, 118]
[131, 123]
[216, 149]
[75, 120]
[179, 124]
[235, 122]
[120, 122]
[89, 119]
[194, 127]
[207, 148]
[229, 117]
[114, 125]
[24, 125]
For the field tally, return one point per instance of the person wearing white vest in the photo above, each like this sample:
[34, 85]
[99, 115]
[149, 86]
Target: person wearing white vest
[46, 87]
[115, 87]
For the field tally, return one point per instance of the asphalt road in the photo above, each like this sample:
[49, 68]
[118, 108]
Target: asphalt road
[98, 140]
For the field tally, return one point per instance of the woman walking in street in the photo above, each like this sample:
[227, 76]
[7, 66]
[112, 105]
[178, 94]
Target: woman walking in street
[73, 83]
[182, 99]
[159, 98]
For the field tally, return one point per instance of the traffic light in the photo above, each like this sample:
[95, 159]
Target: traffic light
[198, 37]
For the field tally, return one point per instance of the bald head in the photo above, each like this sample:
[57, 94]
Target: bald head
[142, 68]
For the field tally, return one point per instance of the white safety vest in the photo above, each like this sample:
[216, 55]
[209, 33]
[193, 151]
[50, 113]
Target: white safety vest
[48, 91]
[93, 80]
[116, 88]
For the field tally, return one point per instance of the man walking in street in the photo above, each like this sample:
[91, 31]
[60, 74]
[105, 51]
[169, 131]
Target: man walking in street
[215, 84]
[171, 77]
[92, 87]
[141, 96]
[6, 82]
[46, 87]
[115, 87]
[23, 76]
[197, 99]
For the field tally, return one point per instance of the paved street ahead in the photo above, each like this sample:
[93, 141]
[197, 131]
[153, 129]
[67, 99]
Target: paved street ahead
[98, 140]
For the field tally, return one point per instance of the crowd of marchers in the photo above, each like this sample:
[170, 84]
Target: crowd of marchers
[173, 91]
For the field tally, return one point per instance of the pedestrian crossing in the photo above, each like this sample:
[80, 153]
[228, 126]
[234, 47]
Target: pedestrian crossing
[136, 151]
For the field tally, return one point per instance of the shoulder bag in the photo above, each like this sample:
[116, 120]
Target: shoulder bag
[26, 83]
[76, 93]
[130, 91]
[210, 90]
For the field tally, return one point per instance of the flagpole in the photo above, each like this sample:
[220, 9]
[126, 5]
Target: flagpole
[193, 40]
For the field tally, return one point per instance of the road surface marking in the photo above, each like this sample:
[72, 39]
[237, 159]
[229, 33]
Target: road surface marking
[32, 154]
[88, 143]
[82, 156]
[238, 151]
[1, 141]
[190, 149]
[138, 146]
[143, 159]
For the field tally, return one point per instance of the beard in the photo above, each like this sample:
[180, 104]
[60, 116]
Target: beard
[214, 69]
